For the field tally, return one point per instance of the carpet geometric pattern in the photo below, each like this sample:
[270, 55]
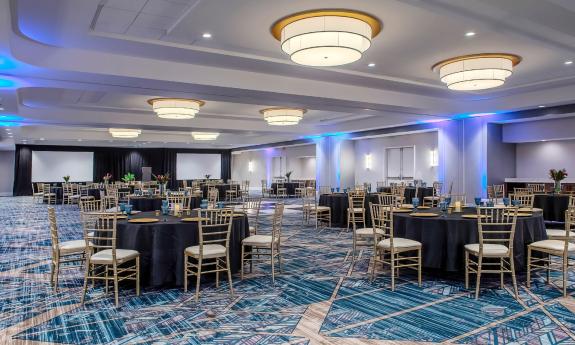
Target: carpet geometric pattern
[317, 299]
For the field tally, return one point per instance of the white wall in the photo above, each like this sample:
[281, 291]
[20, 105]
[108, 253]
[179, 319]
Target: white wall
[7, 172]
[531, 131]
[424, 143]
[535, 159]
[298, 159]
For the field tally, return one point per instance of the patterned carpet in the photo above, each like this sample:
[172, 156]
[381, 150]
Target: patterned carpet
[315, 300]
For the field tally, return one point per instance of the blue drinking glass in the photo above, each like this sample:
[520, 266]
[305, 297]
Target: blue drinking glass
[122, 207]
[506, 201]
[165, 210]
[448, 201]
[415, 202]
[332, 190]
[515, 202]
[477, 201]
[337, 189]
[128, 209]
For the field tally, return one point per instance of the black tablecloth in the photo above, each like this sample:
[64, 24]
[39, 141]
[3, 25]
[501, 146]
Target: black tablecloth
[222, 188]
[95, 192]
[338, 202]
[289, 186]
[59, 193]
[147, 203]
[410, 193]
[161, 246]
[443, 238]
[553, 205]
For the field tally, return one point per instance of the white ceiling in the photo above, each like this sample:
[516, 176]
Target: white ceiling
[81, 66]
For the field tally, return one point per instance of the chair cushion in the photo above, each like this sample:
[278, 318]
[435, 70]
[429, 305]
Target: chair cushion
[368, 232]
[399, 243]
[554, 245]
[258, 240]
[323, 208]
[489, 249]
[356, 209]
[431, 197]
[105, 256]
[69, 247]
[210, 251]
[559, 233]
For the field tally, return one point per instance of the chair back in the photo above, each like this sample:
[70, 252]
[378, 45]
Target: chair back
[277, 222]
[40, 187]
[356, 199]
[437, 187]
[518, 191]
[490, 192]
[46, 188]
[213, 196]
[215, 227]
[571, 201]
[569, 227]
[90, 205]
[84, 190]
[100, 231]
[525, 200]
[382, 219]
[498, 191]
[109, 202]
[536, 187]
[398, 190]
[175, 199]
[386, 199]
[67, 188]
[251, 206]
[496, 225]
[53, 229]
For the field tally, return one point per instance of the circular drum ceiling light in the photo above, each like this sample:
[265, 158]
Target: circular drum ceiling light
[477, 71]
[175, 108]
[205, 135]
[283, 116]
[124, 133]
[326, 37]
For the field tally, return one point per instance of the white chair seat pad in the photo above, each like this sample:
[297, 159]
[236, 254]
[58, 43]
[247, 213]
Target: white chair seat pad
[489, 249]
[554, 245]
[356, 209]
[368, 232]
[431, 197]
[559, 233]
[68, 247]
[258, 240]
[323, 208]
[105, 256]
[210, 251]
[399, 243]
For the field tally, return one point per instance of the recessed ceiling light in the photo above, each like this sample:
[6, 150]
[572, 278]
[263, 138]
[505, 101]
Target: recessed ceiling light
[79, 139]
[541, 106]
[543, 140]
[371, 64]
[207, 35]
[42, 139]
[470, 34]
[568, 62]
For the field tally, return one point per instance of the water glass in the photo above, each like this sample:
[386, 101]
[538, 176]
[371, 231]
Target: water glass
[477, 201]
[506, 202]
[165, 210]
[415, 202]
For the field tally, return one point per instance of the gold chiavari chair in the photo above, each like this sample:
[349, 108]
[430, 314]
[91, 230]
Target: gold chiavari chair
[110, 203]
[356, 204]
[491, 194]
[232, 193]
[359, 187]
[385, 243]
[281, 190]
[387, 199]
[37, 191]
[558, 246]
[265, 189]
[399, 191]
[67, 193]
[434, 199]
[496, 227]
[524, 200]
[324, 190]
[311, 209]
[104, 260]
[265, 245]
[49, 196]
[85, 193]
[362, 237]
[519, 191]
[498, 191]
[213, 196]
[213, 250]
[90, 205]
[63, 252]
[176, 201]
[380, 185]
[536, 187]
[245, 190]
[301, 189]
[251, 207]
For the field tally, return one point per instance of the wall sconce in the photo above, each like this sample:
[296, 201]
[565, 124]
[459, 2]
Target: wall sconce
[251, 166]
[434, 157]
[368, 161]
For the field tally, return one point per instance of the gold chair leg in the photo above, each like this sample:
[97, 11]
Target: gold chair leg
[466, 270]
[185, 272]
[512, 263]
[86, 274]
[272, 262]
[565, 262]
[137, 276]
[478, 279]
[528, 267]
[106, 288]
[229, 274]
[279, 259]
[116, 286]
[217, 272]
[392, 271]
[548, 268]
[52, 271]
[199, 274]
[501, 273]
[419, 267]
[242, 264]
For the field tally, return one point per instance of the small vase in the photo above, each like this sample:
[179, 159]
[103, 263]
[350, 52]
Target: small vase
[162, 189]
[557, 187]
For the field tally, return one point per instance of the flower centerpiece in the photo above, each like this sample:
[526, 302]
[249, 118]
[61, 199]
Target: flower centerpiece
[129, 177]
[107, 178]
[557, 176]
[66, 178]
[288, 175]
[207, 176]
[162, 181]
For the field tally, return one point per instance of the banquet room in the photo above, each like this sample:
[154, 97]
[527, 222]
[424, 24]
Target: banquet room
[287, 172]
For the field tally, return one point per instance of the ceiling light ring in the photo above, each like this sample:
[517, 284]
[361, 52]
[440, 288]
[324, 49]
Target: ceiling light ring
[199, 102]
[515, 59]
[327, 46]
[262, 111]
[476, 69]
[375, 24]
[473, 80]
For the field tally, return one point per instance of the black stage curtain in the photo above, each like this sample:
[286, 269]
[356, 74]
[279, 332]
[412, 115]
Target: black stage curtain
[113, 160]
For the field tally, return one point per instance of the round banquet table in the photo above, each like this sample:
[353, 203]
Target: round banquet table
[222, 188]
[410, 193]
[553, 206]
[153, 203]
[338, 202]
[161, 246]
[443, 238]
[289, 186]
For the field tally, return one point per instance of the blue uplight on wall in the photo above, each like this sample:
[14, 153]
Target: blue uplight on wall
[10, 118]
[324, 135]
[6, 63]
[7, 83]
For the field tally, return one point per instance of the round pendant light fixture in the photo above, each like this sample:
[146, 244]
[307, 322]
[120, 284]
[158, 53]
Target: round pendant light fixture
[326, 37]
[477, 71]
[283, 116]
[205, 135]
[124, 133]
[175, 108]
